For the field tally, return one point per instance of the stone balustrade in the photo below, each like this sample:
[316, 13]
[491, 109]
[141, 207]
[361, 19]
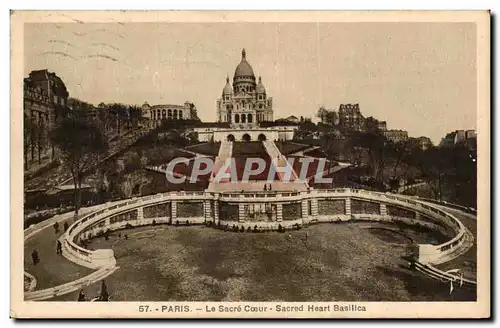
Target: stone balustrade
[374, 202]
[212, 204]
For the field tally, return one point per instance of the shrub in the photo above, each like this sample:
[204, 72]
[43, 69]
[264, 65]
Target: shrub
[154, 222]
[187, 222]
[242, 229]
[249, 229]
[128, 226]
[176, 223]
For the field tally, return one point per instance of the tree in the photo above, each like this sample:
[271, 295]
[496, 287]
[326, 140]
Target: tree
[29, 133]
[376, 147]
[80, 143]
[329, 117]
[371, 125]
[322, 113]
[434, 163]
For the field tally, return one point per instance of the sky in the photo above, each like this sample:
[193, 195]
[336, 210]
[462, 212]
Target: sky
[419, 77]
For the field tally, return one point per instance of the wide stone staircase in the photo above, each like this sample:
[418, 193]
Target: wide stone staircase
[225, 153]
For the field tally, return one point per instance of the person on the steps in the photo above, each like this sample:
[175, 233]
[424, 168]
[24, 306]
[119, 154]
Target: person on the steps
[81, 296]
[104, 297]
[59, 248]
[34, 256]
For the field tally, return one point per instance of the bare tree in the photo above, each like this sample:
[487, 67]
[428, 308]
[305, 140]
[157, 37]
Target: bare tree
[80, 143]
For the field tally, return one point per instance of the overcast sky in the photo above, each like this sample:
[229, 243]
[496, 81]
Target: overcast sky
[420, 77]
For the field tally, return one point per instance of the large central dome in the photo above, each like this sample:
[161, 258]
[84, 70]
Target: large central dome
[244, 69]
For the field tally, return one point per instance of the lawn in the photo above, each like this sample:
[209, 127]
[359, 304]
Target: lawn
[337, 262]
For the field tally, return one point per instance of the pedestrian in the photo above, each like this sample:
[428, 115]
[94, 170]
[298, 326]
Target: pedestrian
[56, 227]
[34, 257]
[265, 187]
[104, 292]
[81, 296]
[270, 187]
[66, 226]
[59, 248]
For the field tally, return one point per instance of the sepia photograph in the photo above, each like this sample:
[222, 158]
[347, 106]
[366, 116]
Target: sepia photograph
[250, 165]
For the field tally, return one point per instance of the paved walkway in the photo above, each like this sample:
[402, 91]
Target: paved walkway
[53, 269]
[254, 186]
[467, 262]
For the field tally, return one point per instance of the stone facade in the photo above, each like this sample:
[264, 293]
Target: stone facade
[188, 210]
[245, 103]
[157, 113]
[292, 211]
[216, 134]
[396, 135]
[157, 211]
[364, 207]
[400, 212]
[45, 100]
[350, 117]
[331, 206]
[127, 216]
[229, 212]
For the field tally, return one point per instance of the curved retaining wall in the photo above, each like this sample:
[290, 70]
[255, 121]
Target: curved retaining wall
[108, 218]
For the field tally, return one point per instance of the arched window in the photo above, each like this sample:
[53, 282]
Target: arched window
[236, 118]
[169, 113]
[243, 118]
[246, 137]
[175, 113]
[163, 114]
[249, 118]
[180, 114]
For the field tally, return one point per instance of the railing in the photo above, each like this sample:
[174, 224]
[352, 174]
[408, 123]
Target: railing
[132, 204]
[97, 216]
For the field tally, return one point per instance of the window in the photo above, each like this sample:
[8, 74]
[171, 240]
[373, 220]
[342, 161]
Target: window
[250, 118]
[180, 114]
[169, 113]
[236, 118]
[243, 118]
[55, 99]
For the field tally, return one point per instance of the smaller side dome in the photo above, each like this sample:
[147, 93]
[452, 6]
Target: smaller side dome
[228, 90]
[260, 87]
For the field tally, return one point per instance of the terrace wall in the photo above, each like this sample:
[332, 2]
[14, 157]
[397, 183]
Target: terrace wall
[132, 210]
